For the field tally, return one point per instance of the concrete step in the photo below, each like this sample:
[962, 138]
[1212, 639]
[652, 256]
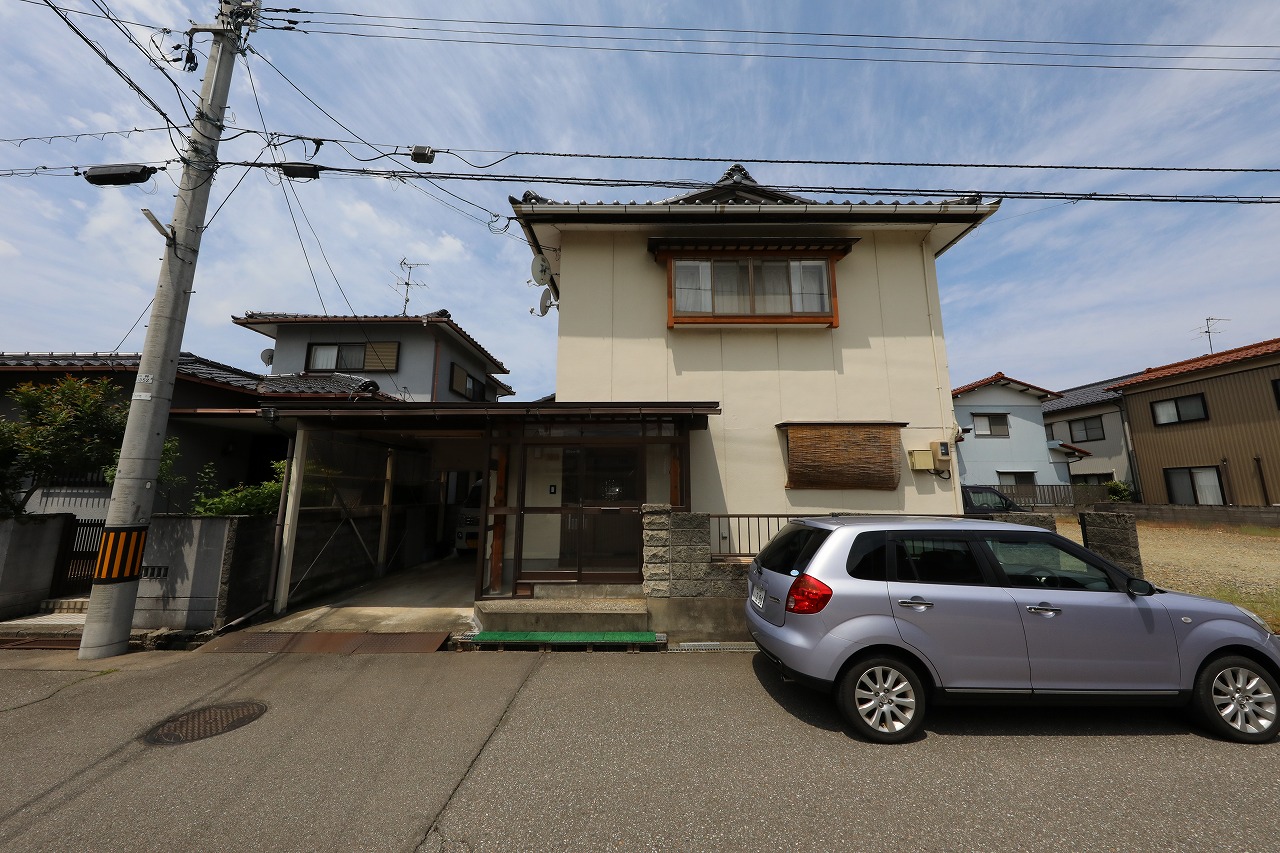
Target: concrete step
[563, 614]
[76, 604]
[544, 590]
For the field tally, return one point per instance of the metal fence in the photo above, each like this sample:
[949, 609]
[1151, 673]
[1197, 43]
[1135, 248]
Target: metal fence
[1043, 496]
[745, 535]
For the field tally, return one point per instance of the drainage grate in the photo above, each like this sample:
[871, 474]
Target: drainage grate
[715, 647]
[205, 722]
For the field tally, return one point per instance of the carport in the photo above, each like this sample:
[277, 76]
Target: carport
[374, 488]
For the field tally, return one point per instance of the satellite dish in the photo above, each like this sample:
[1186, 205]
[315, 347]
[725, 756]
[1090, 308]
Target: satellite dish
[541, 269]
[267, 355]
[545, 303]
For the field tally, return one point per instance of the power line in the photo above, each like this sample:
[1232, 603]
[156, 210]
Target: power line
[116, 68]
[650, 28]
[99, 135]
[305, 26]
[407, 176]
[892, 192]
[498, 39]
[785, 161]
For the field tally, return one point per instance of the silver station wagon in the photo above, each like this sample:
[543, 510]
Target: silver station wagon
[896, 613]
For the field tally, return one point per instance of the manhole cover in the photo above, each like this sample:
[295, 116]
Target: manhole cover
[205, 722]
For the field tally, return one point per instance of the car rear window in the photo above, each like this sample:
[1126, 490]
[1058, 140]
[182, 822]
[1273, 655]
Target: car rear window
[792, 548]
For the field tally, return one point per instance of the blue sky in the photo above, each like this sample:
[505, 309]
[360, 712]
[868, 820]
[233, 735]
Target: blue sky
[1052, 292]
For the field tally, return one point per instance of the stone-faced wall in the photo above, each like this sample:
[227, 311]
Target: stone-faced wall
[677, 557]
[690, 597]
[1114, 535]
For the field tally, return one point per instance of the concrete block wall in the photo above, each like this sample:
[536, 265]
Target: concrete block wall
[1114, 535]
[200, 572]
[1045, 520]
[29, 554]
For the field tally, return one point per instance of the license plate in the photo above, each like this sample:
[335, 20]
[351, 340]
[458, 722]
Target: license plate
[757, 596]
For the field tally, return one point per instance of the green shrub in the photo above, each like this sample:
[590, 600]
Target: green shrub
[262, 499]
[1119, 492]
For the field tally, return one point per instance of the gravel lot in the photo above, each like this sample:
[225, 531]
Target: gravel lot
[1202, 559]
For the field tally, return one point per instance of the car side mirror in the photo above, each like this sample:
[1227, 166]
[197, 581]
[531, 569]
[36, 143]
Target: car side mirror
[1137, 586]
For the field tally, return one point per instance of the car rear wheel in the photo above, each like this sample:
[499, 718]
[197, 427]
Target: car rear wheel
[883, 699]
[1236, 698]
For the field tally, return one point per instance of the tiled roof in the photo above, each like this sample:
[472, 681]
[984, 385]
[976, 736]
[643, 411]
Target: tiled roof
[1085, 395]
[737, 186]
[252, 319]
[1219, 359]
[196, 367]
[1070, 448]
[1006, 381]
[188, 363]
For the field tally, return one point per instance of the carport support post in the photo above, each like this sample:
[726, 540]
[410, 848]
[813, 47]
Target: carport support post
[119, 567]
[284, 575]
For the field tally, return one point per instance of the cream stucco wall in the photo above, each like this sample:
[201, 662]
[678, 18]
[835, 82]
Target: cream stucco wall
[885, 362]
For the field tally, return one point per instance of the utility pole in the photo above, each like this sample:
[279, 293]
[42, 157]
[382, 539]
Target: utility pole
[116, 574]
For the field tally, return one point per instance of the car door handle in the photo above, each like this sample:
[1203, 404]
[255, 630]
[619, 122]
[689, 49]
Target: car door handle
[914, 602]
[1043, 609]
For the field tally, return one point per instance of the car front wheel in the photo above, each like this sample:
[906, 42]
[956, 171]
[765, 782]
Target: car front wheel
[1237, 699]
[883, 699]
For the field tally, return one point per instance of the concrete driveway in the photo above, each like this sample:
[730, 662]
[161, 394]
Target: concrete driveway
[489, 751]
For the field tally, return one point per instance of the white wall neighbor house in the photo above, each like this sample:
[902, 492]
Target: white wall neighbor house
[1092, 417]
[816, 326]
[1003, 439]
[422, 359]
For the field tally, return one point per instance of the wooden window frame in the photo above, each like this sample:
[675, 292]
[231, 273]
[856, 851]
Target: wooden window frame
[830, 319]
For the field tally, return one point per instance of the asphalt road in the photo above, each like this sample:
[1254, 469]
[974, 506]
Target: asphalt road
[498, 751]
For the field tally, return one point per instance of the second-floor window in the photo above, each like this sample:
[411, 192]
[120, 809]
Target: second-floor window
[1087, 429]
[1179, 409]
[768, 280]
[465, 385]
[751, 287]
[373, 356]
[991, 426]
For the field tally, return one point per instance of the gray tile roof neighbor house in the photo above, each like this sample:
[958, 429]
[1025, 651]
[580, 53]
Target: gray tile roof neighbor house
[199, 369]
[1086, 395]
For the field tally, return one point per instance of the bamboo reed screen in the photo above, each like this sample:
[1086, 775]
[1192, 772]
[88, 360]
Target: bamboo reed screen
[843, 456]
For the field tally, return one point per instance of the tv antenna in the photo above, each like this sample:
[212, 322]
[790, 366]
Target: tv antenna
[1209, 330]
[408, 282]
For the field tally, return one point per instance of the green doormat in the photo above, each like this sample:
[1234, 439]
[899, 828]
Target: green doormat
[576, 637]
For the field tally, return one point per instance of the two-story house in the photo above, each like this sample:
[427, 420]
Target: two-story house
[1092, 417]
[1207, 430]
[815, 326]
[737, 350]
[422, 359]
[1003, 441]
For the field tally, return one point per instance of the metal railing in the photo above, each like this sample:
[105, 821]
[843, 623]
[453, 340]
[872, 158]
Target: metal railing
[1038, 496]
[744, 535]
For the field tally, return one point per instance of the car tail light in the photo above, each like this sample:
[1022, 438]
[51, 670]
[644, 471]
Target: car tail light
[807, 595]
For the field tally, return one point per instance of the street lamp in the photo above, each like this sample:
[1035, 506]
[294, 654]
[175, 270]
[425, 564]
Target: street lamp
[118, 176]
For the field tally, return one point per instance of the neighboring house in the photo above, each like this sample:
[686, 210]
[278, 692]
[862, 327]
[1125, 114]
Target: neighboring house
[815, 326]
[1092, 417]
[1207, 430]
[214, 415]
[1003, 437]
[423, 359]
